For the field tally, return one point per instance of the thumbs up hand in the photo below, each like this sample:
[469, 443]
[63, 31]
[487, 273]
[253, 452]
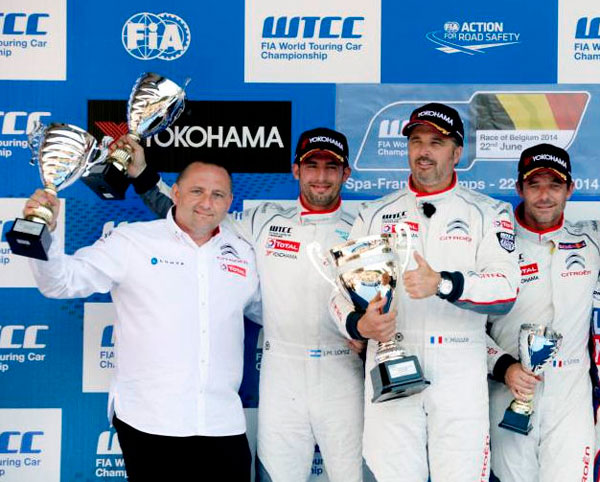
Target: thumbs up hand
[423, 281]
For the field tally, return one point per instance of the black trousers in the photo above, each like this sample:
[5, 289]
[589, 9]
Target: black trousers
[150, 458]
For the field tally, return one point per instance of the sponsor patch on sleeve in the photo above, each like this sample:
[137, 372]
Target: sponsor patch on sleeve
[506, 241]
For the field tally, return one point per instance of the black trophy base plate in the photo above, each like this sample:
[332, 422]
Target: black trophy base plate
[107, 181]
[398, 378]
[516, 422]
[29, 239]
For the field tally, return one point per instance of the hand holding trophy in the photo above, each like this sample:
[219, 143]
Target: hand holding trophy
[62, 153]
[538, 346]
[154, 104]
[367, 269]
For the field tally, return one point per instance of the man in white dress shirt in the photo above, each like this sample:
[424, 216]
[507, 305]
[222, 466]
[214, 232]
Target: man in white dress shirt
[180, 287]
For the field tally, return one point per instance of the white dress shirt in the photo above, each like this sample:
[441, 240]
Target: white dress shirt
[180, 333]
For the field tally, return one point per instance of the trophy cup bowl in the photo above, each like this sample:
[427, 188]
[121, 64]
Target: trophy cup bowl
[363, 268]
[62, 152]
[154, 104]
[538, 346]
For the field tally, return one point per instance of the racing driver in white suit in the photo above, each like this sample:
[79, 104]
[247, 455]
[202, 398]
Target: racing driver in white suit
[464, 253]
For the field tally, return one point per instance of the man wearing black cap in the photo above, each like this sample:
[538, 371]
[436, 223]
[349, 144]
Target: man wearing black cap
[464, 268]
[559, 266]
[311, 382]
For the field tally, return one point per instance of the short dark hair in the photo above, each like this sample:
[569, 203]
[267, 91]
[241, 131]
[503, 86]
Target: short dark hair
[185, 170]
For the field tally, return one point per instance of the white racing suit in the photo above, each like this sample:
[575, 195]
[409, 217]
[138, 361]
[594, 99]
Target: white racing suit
[594, 371]
[441, 432]
[559, 269]
[311, 383]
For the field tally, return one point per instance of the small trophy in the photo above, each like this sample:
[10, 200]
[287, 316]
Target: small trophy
[363, 268]
[62, 152]
[538, 346]
[154, 104]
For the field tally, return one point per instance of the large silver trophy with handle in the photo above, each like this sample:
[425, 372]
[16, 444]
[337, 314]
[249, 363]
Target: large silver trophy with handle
[538, 346]
[62, 152]
[154, 104]
[363, 268]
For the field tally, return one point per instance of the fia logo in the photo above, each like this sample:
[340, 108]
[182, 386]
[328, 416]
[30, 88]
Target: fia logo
[161, 36]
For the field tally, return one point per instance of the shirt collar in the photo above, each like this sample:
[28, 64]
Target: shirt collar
[537, 236]
[306, 215]
[184, 237]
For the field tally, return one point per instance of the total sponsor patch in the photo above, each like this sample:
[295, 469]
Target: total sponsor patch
[232, 268]
[529, 273]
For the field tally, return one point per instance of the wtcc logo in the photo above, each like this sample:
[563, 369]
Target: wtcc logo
[109, 460]
[21, 340]
[163, 36]
[30, 444]
[99, 355]
[17, 123]
[20, 23]
[312, 27]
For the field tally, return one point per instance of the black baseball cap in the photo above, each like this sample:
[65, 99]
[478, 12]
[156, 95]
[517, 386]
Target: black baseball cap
[545, 157]
[439, 116]
[322, 139]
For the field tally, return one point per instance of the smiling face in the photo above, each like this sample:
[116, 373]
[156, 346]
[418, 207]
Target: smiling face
[202, 197]
[321, 177]
[544, 198]
[432, 157]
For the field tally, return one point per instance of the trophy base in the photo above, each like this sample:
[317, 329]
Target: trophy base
[516, 422]
[108, 181]
[29, 239]
[397, 378]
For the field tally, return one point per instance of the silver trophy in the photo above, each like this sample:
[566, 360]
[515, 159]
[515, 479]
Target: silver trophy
[363, 268]
[62, 153]
[154, 104]
[538, 346]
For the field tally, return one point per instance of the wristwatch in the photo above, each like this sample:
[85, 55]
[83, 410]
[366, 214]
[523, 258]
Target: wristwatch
[445, 286]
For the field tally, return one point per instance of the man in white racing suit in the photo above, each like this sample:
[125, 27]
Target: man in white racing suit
[559, 264]
[464, 246]
[311, 382]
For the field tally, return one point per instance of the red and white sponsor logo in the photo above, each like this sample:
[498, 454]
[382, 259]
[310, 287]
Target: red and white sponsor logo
[388, 228]
[486, 460]
[586, 464]
[570, 274]
[529, 269]
[232, 268]
[504, 224]
[283, 245]
[413, 226]
[597, 349]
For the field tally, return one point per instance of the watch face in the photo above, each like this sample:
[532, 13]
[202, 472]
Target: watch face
[445, 287]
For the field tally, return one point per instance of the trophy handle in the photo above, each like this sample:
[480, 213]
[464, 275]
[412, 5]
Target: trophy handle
[318, 261]
[406, 229]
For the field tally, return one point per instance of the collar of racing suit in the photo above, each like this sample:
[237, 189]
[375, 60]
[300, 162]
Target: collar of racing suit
[434, 198]
[541, 237]
[184, 237]
[308, 216]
